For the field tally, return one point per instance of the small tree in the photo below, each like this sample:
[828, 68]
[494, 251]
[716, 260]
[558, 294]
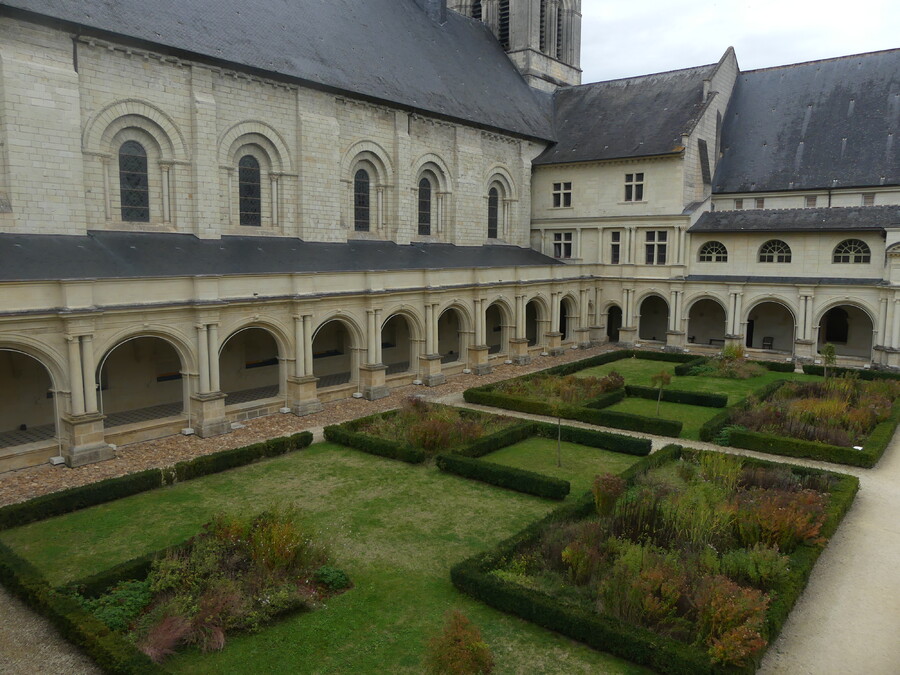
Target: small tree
[662, 379]
[458, 649]
[564, 394]
[829, 357]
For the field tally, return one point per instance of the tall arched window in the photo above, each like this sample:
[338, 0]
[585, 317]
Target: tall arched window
[134, 186]
[775, 251]
[361, 201]
[852, 251]
[249, 191]
[424, 206]
[504, 24]
[713, 251]
[493, 212]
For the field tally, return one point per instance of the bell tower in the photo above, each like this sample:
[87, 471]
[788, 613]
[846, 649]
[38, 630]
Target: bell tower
[542, 37]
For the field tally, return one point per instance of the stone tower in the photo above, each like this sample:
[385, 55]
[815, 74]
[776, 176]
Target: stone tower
[542, 37]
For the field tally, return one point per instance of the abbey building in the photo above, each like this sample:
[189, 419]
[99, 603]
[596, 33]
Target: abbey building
[222, 210]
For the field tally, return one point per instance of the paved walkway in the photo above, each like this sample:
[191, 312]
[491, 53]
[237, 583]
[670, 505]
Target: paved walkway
[847, 620]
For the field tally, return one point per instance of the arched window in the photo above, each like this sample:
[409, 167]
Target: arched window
[852, 251]
[361, 201]
[134, 187]
[249, 191]
[713, 251]
[493, 212]
[775, 251]
[424, 206]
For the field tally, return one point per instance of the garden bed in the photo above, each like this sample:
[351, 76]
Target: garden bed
[692, 566]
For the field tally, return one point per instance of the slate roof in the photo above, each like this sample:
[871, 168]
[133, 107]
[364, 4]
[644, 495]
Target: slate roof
[846, 218]
[632, 117]
[386, 50]
[116, 255]
[823, 124]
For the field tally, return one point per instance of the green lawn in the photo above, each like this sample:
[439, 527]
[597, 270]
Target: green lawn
[580, 463]
[692, 417]
[395, 528]
[639, 372]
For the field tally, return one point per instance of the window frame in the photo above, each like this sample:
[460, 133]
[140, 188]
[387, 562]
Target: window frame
[426, 214]
[362, 200]
[656, 245]
[634, 187]
[563, 245]
[862, 255]
[714, 251]
[248, 217]
[562, 195]
[139, 178]
[777, 250]
[615, 247]
[493, 212]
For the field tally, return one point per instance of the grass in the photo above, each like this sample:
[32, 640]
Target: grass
[396, 530]
[639, 372]
[580, 463]
[692, 417]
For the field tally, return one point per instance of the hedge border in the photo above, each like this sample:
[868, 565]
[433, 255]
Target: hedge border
[111, 489]
[812, 369]
[697, 398]
[520, 480]
[472, 576]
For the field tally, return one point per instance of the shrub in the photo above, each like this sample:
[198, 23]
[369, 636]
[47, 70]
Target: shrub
[458, 649]
[121, 605]
[730, 619]
[519, 480]
[606, 490]
[332, 578]
[780, 518]
[759, 565]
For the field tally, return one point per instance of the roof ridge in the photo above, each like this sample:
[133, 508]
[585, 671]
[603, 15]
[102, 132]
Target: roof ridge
[640, 77]
[832, 58]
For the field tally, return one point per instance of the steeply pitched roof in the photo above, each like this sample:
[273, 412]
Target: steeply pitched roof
[117, 255]
[822, 124]
[388, 50]
[634, 117]
[846, 218]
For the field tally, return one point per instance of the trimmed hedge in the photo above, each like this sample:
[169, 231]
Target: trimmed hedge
[99, 583]
[627, 445]
[811, 369]
[678, 396]
[511, 478]
[473, 576]
[488, 444]
[606, 400]
[778, 366]
[607, 418]
[711, 428]
[686, 368]
[111, 489]
[342, 435]
[112, 652]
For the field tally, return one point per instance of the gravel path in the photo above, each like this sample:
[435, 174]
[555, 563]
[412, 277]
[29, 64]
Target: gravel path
[847, 620]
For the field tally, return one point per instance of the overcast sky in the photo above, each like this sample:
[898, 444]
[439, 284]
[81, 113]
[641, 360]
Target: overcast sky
[624, 39]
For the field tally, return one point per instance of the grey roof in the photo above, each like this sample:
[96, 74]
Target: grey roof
[822, 124]
[854, 218]
[633, 117]
[803, 281]
[387, 50]
[30, 257]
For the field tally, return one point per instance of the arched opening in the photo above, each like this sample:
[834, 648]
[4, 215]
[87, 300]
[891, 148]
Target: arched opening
[449, 336]
[532, 327]
[362, 203]
[706, 323]
[134, 185]
[332, 352]
[566, 324]
[27, 408]
[613, 323]
[849, 329]
[249, 192]
[249, 367]
[493, 218]
[398, 351]
[495, 330]
[770, 325]
[654, 320]
[140, 380]
[424, 204]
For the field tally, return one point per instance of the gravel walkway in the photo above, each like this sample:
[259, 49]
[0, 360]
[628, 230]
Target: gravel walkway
[847, 621]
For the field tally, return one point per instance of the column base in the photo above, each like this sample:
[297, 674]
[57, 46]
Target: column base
[583, 338]
[518, 351]
[554, 344]
[84, 440]
[805, 349]
[208, 414]
[628, 336]
[372, 381]
[675, 341]
[303, 396]
[430, 370]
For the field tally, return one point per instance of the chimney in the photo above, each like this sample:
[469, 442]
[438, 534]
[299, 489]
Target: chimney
[435, 9]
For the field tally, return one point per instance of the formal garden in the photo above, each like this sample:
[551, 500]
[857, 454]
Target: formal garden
[430, 538]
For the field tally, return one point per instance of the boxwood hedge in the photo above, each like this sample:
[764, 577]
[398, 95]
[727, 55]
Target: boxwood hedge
[675, 396]
[508, 477]
[343, 435]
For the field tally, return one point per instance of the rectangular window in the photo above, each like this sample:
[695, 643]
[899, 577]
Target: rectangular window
[634, 187]
[738, 204]
[615, 251]
[810, 201]
[655, 247]
[562, 244]
[562, 195]
[868, 199]
[760, 203]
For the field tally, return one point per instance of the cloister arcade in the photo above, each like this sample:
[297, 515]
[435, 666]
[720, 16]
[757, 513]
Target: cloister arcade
[707, 323]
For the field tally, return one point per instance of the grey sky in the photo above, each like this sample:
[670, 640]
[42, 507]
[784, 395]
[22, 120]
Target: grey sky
[623, 39]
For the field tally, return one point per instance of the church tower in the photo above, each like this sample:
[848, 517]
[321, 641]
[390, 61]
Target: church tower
[542, 37]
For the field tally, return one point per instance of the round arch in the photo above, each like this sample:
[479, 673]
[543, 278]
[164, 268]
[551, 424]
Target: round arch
[255, 132]
[135, 113]
[437, 166]
[453, 323]
[568, 310]
[613, 313]
[43, 354]
[849, 326]
[707, 320]
[271, 326]
[179, 342]
[500, 174]
[497, 324]
[371, 153]
[653, 312]
[252, 362]
[770, 323]
[336, 343]
[465, 313]
[30, 409]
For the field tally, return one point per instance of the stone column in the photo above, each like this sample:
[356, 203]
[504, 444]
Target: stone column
[203, 351]
[105, 164]
[213, 352]
[76, 378]
[518, 345]
[805, 342]
[166, 197]
[554, 337]
[478, 352]
[628, 332]
[372, 374]
[583, 331]
[89, 365]
[675, 337]
[83, 435]
[273, 178]
[301, 386]
[208, 408]
[430, 362]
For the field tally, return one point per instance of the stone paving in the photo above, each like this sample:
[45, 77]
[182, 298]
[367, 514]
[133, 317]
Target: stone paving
[847, 620]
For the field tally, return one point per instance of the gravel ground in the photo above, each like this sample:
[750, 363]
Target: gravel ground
[847, 620]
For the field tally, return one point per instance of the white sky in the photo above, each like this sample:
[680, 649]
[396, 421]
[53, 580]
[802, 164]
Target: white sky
[624, 39]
